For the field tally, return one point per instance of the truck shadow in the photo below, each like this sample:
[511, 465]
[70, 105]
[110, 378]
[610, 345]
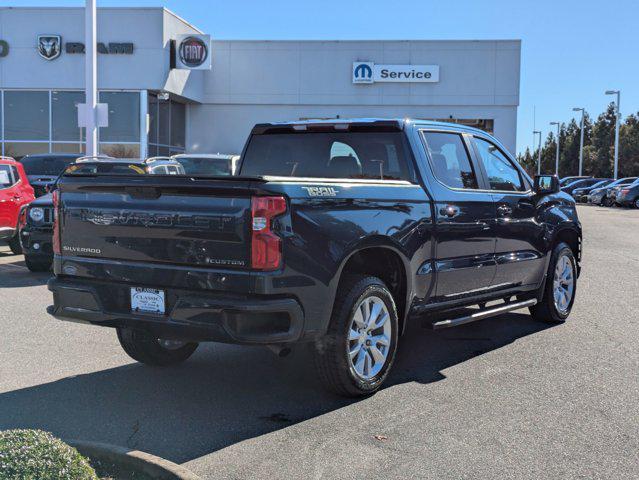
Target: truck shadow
[226, 394]
[15, 274]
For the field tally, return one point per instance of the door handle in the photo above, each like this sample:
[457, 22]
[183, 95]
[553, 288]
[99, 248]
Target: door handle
[449, 211]
[504, 210]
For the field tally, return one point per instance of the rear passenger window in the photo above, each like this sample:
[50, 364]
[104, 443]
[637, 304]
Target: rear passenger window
[6, 176]
[502, 174]
[450, 160]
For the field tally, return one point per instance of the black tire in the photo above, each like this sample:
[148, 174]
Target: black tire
[14, 245]
[145, 348]
[636, 202]
[332, 362]
[546, 310]
[606, 202]
[37, 264]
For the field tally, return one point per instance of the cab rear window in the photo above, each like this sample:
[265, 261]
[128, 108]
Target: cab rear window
[353, 155]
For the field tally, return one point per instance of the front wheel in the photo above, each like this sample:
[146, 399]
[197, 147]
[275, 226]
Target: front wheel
[637, 203]
[14, 245]
[145, 348]
[606, 202]
[560, 287]
[356, 354]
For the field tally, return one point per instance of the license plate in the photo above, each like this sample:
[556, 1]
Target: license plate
[147, 300]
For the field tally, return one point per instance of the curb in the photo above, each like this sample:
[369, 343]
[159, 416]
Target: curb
[133, 460]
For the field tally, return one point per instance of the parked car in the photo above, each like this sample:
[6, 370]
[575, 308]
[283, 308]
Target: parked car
[614, 192]
[584, 182]
[581, 194]
[334, 233]
[208, 164]
[628, 196]
[36, 229]
[43, 169]
[566, 180]
[601, 196]
[15, 193]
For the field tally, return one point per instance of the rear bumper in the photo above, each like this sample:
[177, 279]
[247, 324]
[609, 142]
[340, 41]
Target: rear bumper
[190, 315]
[6, 233]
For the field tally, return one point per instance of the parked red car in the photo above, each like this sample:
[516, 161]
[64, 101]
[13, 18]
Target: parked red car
[15, 193]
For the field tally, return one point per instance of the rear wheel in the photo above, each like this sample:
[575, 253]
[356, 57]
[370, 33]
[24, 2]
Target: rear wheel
[356, 354]
[14, 245]
[637, 203]
[606, 202]
[37, 264]
[145, 348]
[560, 287]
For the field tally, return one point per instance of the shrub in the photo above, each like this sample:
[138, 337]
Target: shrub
[34, 454]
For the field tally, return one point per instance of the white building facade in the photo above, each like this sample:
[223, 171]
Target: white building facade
[155, 109]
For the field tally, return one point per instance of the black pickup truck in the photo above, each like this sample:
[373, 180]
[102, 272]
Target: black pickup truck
[334, 233]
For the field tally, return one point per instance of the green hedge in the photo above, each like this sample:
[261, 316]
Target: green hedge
[37, 455]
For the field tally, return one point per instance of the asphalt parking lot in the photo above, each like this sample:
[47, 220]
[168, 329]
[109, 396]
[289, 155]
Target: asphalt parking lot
[502, 398]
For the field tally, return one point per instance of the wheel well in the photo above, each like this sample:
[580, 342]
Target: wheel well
[386, 265]
[572, 239]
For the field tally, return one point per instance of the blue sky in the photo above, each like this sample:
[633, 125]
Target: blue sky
[572, 51]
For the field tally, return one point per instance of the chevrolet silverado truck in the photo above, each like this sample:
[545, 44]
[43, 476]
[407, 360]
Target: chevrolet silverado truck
[335, 234]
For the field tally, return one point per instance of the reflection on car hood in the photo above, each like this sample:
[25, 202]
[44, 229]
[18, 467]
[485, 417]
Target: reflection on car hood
[43, 201]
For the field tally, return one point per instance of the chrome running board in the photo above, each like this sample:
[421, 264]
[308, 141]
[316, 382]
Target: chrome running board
[481, 314]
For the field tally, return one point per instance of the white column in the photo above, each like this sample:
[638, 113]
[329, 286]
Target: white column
[144, 124]
[91, 77]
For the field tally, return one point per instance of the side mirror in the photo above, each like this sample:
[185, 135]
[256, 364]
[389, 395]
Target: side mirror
[545, 184]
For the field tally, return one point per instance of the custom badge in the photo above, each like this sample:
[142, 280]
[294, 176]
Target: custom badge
[49, 46]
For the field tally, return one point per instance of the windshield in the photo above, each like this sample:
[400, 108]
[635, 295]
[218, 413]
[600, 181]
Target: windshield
[45, 165]
[205, 166]
[378, 155]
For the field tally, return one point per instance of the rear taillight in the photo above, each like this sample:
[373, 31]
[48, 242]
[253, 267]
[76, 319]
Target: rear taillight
[624, 191]
[56, 221]
[266, 246]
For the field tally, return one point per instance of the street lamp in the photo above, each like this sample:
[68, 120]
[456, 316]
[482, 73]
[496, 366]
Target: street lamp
[617, 120]
[581, 140]
[538, 132]
[557, 152]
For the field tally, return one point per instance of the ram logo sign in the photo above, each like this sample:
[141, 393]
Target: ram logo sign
[369, 72]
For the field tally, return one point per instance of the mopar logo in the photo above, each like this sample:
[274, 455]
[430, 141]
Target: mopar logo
[363, 72]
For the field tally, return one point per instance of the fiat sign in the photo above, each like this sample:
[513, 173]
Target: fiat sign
[193, 52]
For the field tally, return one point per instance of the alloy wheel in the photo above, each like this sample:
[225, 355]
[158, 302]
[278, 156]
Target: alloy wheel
[369, 337]
[563, 284]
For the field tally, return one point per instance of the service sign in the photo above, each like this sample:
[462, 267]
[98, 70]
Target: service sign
[369, 72]
[193, 52]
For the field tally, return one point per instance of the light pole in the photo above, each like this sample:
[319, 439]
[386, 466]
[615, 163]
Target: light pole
[557, 152]
[617, 120]
[581, 140]
[538, 132]
[91, 77]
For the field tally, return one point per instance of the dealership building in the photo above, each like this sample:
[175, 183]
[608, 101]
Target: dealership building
[157, 106]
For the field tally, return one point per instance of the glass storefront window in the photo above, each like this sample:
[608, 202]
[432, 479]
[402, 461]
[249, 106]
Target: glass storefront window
[18, 150]
[153, 119]
[26, 115]
[124, 117]
[68, 148]
[64, 116]
[164, 117]
[178, 124]
[120, 150]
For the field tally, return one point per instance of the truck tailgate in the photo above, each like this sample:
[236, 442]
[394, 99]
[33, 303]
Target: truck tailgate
[176, 221]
